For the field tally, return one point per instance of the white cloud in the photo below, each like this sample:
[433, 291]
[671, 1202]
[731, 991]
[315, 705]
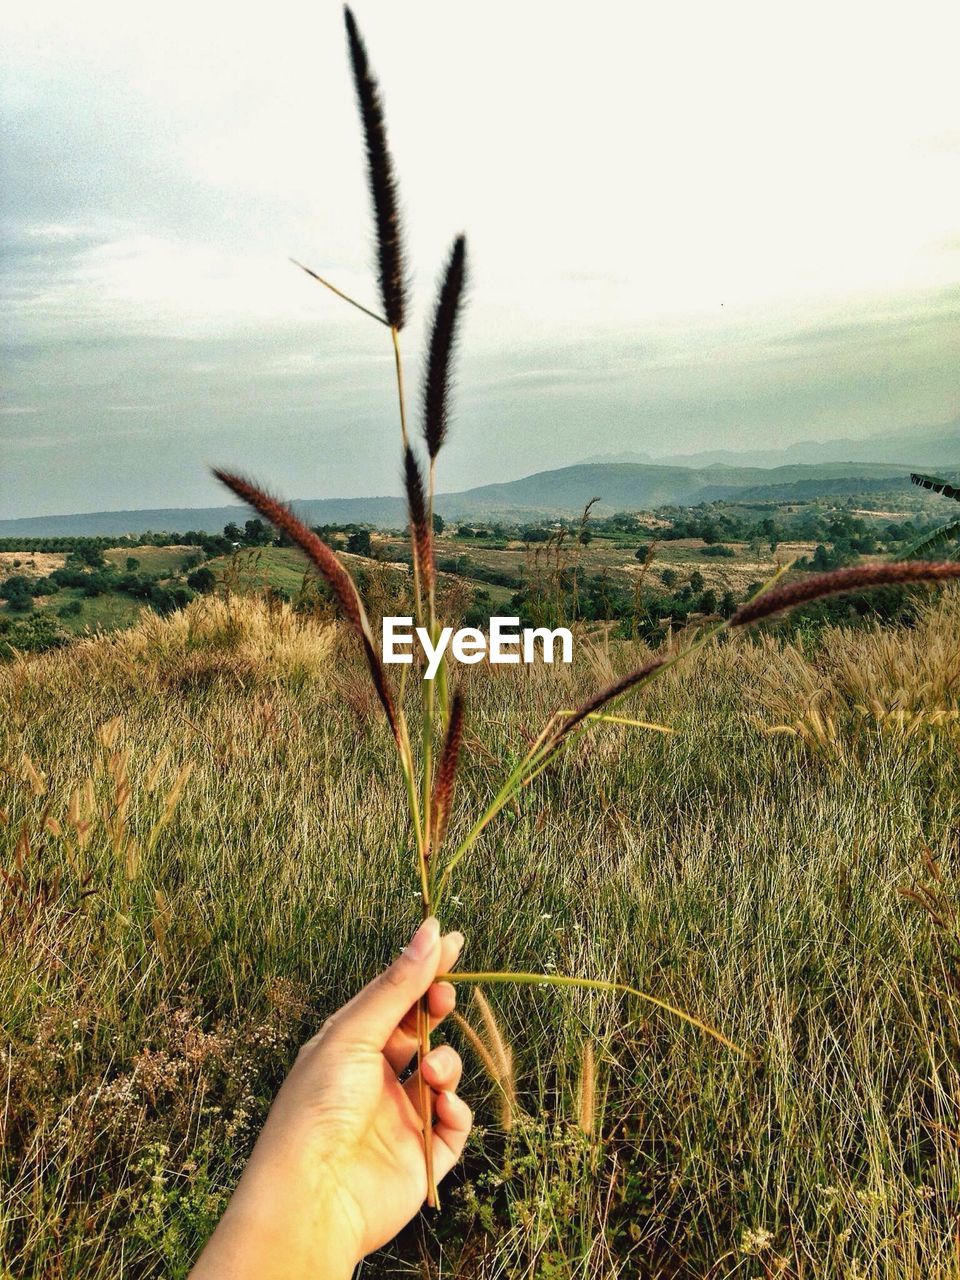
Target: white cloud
[661, 202]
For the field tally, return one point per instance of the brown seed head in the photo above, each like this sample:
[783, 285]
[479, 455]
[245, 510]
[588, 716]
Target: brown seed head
[447, 769]
[858, 578]
[383, 186]
[330, 568]
[420, 529]
[443, 336]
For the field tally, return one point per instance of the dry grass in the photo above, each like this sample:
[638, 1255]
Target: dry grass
[243, 639]
[177, 855]
[32, 564]
[904, 682]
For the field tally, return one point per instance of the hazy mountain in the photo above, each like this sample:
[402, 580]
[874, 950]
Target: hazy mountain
[388, 512]
[926, 447]
[637, 487]
[565, 491]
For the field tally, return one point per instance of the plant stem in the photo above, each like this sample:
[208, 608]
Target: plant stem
[591, 984]
[339, 292]
[395, 335]
[421, 818]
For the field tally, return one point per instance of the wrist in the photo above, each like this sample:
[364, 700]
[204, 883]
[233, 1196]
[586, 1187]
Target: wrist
[283, 1224]
[252, 1245]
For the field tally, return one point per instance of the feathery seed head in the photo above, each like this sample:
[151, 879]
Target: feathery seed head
[383, 185]
[332, 571]
[587, 1100]
[857, 578]
[443, 337]
[420, 529]
[447, 768]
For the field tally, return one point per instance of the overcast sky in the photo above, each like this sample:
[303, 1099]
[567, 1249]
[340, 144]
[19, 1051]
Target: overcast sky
[689, 226]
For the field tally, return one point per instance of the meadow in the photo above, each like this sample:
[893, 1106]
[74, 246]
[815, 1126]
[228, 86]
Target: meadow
[205, 850]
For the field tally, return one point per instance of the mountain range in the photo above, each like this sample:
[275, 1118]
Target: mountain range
[622, 482]
[916, 447]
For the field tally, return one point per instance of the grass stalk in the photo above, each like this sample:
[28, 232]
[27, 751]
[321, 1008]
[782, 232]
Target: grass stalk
[398, 367]
[340, 294]
[523, 979]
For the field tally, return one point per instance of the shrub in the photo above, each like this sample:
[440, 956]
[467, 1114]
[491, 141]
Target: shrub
[202, 580]
[17, 585]
[33, 635]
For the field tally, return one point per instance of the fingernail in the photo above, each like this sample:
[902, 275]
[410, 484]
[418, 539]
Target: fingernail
[458, 940]
[425, 939]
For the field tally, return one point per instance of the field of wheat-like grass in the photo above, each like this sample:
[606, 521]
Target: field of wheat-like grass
[201, 843]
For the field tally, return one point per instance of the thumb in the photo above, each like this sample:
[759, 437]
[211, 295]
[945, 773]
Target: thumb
[375, 1012]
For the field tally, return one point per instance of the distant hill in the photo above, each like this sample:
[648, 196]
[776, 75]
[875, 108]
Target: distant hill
[388, 512]
[932, 447]
[565, 491]
[639, 486]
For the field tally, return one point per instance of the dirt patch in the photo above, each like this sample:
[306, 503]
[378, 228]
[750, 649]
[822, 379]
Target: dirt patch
[32, 564]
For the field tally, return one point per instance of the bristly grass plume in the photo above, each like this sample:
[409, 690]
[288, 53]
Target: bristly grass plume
[383, 185]
[429, 773]
[443, 337]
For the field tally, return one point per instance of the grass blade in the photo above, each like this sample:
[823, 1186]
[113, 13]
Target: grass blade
[589, 984]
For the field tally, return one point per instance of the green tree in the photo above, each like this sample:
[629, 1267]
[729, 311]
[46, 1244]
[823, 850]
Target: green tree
[16, 586]
[728, 605]
[202, 580]
[88, 553]
[257, 534]
[359, 542]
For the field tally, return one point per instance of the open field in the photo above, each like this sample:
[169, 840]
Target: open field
[162, 561]
[98, 613]
[35, 563]
[701, 560]
[204, 852]
[617, 559]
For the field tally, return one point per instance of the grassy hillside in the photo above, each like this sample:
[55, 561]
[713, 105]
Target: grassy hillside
[203, 853]
[639, 487]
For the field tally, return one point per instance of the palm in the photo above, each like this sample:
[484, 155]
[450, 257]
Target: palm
[384, 1173]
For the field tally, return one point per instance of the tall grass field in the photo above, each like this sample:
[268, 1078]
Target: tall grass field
[203, 852]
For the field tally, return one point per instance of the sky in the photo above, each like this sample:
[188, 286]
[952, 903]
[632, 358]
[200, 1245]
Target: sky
[689, 226]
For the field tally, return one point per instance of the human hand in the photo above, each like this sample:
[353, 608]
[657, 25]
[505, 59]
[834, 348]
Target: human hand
[338, 1168]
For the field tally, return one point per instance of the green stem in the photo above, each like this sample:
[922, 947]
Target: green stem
[591, 984]
[427, 766]
[395, 335]
[340, 294]
[511, 786]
